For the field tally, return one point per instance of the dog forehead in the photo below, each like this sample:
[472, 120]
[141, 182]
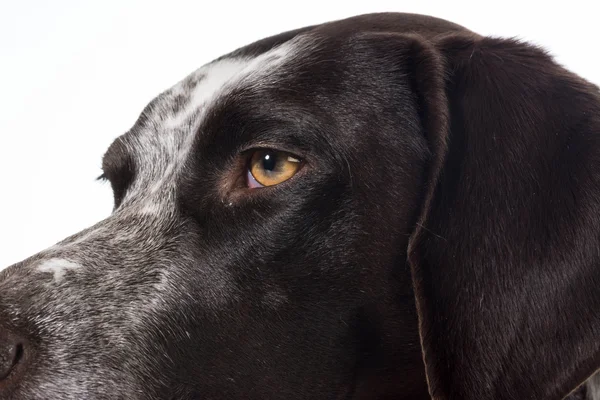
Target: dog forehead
[163, 137]
[177, 113]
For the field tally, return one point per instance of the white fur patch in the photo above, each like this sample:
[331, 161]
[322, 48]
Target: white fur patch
[218, 75]
[162, 147]
[57, 266]
[214, 76]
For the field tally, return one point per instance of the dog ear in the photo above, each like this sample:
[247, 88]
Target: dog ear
[505, 258]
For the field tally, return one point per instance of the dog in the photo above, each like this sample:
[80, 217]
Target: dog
[389, 206]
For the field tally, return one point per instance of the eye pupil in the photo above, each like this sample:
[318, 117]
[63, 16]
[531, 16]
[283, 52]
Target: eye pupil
[269, 162]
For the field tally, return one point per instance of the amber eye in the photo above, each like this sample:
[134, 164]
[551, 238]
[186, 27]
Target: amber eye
[271, 167]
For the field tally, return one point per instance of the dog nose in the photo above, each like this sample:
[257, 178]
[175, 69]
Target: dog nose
[11, 352]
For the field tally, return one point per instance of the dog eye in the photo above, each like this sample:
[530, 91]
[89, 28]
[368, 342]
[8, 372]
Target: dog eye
[271, 167]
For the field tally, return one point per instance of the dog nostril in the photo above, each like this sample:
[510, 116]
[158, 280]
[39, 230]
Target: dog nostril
[11, 352]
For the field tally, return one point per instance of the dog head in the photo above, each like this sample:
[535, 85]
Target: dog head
[389, 206]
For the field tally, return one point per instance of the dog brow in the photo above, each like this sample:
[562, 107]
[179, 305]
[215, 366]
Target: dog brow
[115, 158]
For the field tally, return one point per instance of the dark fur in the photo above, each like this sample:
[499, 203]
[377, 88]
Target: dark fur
[443, 238]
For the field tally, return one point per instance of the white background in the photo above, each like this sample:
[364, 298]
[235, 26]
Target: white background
[76, 74]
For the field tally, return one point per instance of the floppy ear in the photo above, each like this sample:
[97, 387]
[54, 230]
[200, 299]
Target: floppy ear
[505, 256]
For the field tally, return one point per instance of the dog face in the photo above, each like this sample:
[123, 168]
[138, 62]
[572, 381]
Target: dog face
[202, 286]
[280, 230]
